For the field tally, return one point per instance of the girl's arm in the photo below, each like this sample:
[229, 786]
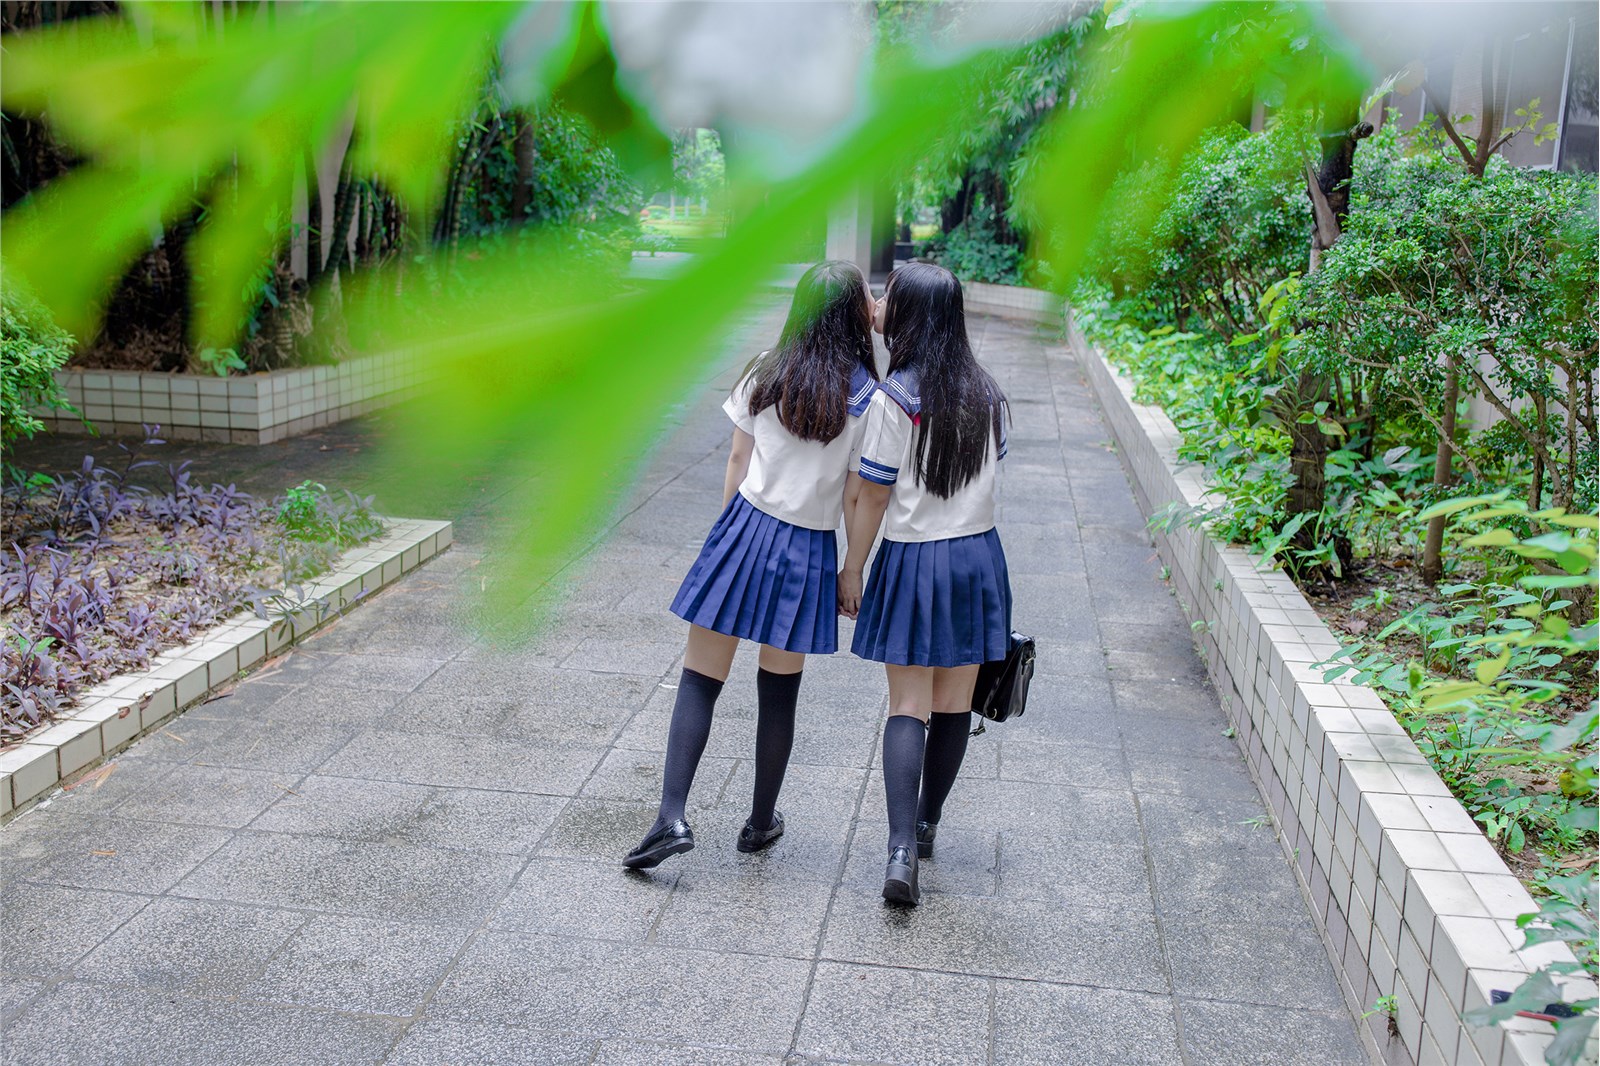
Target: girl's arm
[852, 493]
[744, 446]
[861, 530]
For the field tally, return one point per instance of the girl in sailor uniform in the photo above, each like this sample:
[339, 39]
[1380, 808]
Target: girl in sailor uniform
[939, 600]
[769, 569]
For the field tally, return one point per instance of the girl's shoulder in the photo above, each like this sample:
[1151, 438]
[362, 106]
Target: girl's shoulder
[901, 387]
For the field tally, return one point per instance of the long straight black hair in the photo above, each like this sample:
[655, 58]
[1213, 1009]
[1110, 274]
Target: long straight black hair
[925, 328]
[827, 335]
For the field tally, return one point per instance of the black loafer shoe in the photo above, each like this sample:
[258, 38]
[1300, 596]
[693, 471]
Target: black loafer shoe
[669, 840]
[753, 839]
[900, 878]
[926, 831]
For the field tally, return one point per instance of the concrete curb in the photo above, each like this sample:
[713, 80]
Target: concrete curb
[253, 409]
[1412, 898]
[118, 711]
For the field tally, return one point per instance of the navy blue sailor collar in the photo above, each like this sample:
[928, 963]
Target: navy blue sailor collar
[862, 386]
[901, 387]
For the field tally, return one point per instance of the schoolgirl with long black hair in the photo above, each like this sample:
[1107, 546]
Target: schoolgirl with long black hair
[768, 570]
[938, 603]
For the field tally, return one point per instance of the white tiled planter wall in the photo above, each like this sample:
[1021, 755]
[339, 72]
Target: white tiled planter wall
[1011, 301]
[1413, 899]
[255, 409]
[113, 714]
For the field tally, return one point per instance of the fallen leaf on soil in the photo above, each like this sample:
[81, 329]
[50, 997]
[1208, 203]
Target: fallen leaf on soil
[1356, 625]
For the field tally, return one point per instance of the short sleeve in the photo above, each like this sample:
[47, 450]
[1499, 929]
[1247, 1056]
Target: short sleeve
[885, 441]
[737, 405]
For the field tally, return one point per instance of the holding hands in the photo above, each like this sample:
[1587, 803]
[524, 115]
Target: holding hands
[849, 592]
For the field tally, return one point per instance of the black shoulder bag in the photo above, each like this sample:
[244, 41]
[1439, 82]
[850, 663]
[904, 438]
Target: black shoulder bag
[1002, 688]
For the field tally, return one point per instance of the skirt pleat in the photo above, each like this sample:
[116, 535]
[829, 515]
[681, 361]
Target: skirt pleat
[936, 603]
[763, 579]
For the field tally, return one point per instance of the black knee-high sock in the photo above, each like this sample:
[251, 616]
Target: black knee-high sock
[904, 738]
[947, 746]
[776, 695]
[686, 741]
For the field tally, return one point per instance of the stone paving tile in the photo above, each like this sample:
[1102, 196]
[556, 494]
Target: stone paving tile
[586, 899]
[749, 913]
[1144, 734]
[359, 964]
[1139, 697]
[636, 776]
[15, 994]
[1244, 1035]
[635, 1052]
[1272, 961]
[78, 1022]
[1027, 939]
[440, 879]
[209, 795]
[108, 852]
[965, 862]
[625, 990]
[1057, 762]
[401, 882]
[324, 706]
[48, 928]
[891, 1015]
[587, 725]
[389, 673]
[611, 656]
[1044, 1024]
[271, 744]
[1067, 811]
[1186, 775]
[464, 762]
[1081, 873]
[191, 946]
[432, 1041]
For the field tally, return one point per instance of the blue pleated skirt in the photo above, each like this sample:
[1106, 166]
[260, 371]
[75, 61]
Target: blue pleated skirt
[763, 579]
[936, 603]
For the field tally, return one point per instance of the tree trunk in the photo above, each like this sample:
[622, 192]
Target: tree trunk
[1443, 476]
[955, 209]
[364, 226]
[344, 208]
[313, 221]
[522, 149]
[1328, 188]
[1308, 455]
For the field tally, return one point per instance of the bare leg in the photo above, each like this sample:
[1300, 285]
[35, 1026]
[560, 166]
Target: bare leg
[709, 654]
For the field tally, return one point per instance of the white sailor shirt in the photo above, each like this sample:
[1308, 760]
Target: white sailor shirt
[888, 458]
[799, 481]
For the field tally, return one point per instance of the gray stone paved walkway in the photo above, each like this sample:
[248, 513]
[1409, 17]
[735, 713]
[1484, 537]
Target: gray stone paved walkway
[399, 847]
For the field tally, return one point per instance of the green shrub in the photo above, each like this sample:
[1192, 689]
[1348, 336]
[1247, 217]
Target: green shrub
[32, 348]
[972, 251]
[1208, 237]
[1493, 275]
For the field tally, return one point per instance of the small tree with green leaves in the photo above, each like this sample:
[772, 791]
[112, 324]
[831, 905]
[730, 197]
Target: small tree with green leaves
[32, 349]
